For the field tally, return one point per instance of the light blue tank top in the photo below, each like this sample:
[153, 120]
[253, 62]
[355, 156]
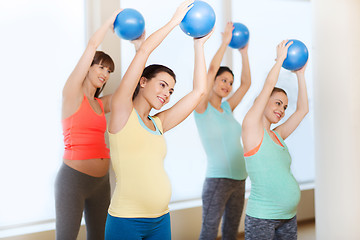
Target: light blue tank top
[275, 193]
[220, 135]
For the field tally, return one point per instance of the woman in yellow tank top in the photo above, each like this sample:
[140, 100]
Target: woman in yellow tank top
[139, 206]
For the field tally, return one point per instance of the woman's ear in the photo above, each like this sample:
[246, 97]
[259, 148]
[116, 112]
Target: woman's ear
[143, 81]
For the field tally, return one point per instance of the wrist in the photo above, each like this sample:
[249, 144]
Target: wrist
[243, 53]
[299, 74]
[280, 59]
[224, 44]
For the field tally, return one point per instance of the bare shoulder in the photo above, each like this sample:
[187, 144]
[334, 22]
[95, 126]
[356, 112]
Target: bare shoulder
[70, 104]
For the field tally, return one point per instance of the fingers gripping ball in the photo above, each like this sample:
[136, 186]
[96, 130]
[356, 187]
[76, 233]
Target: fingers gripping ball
[297, 56]
[129, 24]
[199, 20]
[240, 36]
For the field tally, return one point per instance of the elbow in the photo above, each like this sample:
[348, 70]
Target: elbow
[201, 93]
[305, 111]
[246, 85]
[306, 108]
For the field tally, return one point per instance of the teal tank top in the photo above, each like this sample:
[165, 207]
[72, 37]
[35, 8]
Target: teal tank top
[275, 193]
[220, 135]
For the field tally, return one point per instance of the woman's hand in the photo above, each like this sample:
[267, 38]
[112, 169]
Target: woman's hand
[137, 42]
[181, 11]
[227, 34]
[112, 18]
[301, 71]
[282, 49]
[203, 39]
[244, 50]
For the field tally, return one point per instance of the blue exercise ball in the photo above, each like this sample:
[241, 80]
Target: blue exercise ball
[297, 56]
[240, 36]
[199, 20]
[129, 24]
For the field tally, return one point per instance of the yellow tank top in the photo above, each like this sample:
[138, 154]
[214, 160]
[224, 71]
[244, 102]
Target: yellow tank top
[143, 189]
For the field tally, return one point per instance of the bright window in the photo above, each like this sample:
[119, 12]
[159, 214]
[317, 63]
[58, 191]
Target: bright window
[41, 42]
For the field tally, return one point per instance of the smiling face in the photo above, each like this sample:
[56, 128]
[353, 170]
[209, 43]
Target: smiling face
[276, 106]
[98, 75]
[223, 84]
[101, 66]
[157, 90]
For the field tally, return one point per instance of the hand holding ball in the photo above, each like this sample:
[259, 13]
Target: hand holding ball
[297, 56]
[199, 20]
[240, 36]
[129, 24]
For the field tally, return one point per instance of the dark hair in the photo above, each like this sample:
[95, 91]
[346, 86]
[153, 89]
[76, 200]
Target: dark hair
[276, 89]
[150, 72]
[223, 69]
[105, 60]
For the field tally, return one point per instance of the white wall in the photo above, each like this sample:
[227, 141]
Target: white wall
[37, 56]
[337, 114]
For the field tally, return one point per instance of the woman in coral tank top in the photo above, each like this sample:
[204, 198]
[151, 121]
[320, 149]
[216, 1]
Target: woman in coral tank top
[82, 183]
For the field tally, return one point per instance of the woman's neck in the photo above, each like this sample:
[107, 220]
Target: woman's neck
[215, 101]
[88, 89]
[266, 124]
[142, 107]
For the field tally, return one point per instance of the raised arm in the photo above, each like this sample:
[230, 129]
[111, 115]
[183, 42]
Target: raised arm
[72, 88]
[107, 98]
[182, 109]
[214, 66]
[302, 107]
[252, 128]
[121, 104]
[245, 80]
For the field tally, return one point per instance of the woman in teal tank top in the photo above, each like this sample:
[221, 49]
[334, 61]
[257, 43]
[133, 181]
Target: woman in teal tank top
[220, 133]
[275, 194]
[138, 207]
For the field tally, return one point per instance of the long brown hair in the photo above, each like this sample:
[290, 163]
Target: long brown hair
[105, 60]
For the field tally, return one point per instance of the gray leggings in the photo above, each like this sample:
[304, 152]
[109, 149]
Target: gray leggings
[76, 192]
[222, 197]
[270, 229]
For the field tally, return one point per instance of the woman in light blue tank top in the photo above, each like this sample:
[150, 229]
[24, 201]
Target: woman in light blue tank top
[275, 194]
[220, 133]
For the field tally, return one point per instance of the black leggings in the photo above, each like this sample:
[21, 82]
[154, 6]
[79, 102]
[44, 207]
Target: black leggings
[222, 198]
[75, 193]
[270, 229]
